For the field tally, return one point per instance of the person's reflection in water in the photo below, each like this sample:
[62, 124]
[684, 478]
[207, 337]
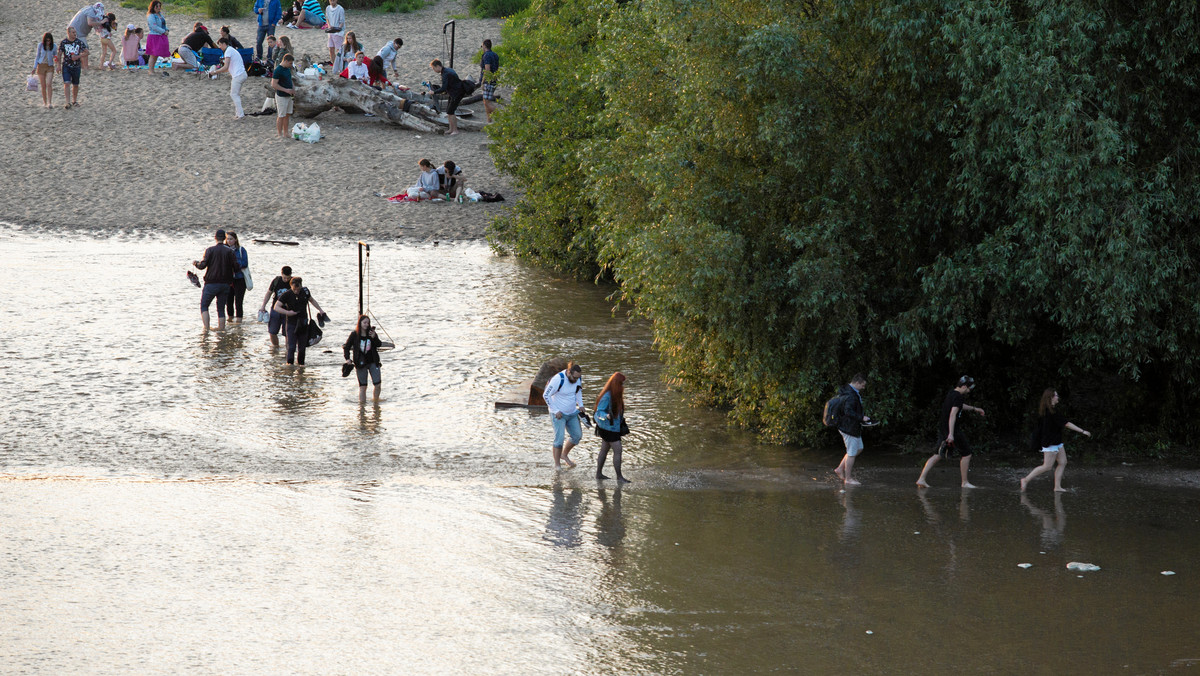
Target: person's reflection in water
[223, 348]
[610, 526]
[851, 520]
[1052, 525]
[944, 534]
[964, 509]
[368, 418]
[566, 519]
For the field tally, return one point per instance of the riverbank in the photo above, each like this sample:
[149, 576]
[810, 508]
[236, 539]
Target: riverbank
[160, 154]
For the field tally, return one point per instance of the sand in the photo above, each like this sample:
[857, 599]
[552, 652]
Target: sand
[144, 153]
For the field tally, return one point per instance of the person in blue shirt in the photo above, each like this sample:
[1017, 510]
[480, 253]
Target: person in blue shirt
[610, 424]
[489, 63]
[269, 12]
[237, 291]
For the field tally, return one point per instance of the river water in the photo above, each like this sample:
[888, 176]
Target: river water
[177, 501]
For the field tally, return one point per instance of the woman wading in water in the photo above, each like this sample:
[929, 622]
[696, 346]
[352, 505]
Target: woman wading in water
[364, 344]
[1049, 434]
[610, 424]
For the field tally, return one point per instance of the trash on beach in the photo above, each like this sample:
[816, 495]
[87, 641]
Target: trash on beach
[1083, 567]
[309, 133]
[1024, 565]
[1168, 572]
[869, 632]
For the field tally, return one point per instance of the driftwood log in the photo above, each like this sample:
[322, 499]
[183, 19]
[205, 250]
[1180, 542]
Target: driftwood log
[406, 109]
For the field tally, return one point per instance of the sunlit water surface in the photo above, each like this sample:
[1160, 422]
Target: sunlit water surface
[177, 501]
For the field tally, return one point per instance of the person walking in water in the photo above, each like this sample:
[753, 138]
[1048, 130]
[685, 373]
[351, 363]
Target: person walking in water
[953, 439]
[219, 264]
[850, 425]
[564, 398]
[293, 305]
[1049, 436]
[610, 424]
[279, 285]
[364, 344]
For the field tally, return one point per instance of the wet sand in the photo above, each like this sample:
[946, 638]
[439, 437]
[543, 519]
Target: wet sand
[153, 154]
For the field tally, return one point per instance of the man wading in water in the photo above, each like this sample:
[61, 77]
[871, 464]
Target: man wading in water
[953, 439]
[564, 397]
[219, 264]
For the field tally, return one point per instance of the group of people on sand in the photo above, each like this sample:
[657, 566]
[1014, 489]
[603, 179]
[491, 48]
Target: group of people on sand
[446, 182]
[1048, 434]
[564, 399]
[347, 55]
[226, 266]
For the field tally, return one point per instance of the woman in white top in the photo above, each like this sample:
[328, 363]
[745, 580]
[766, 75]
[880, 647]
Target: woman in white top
[232, 64]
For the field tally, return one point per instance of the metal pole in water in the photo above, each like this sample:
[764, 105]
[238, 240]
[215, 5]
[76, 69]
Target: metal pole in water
[361, 245]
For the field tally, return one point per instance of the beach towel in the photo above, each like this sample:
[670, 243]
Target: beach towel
[402, 197]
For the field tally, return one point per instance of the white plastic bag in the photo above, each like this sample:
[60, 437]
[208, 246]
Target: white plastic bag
[414, 192]
[31, 83]
[309, 133]
[311, 73]
[471, 194]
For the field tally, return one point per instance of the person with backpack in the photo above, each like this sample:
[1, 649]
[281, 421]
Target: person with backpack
[293, 305]
[952, 438]
[564, 398]
[1048, 436]
[848, 417]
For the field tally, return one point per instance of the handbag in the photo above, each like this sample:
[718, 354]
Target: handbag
[31, 83]
[249, 281]
[624, 427]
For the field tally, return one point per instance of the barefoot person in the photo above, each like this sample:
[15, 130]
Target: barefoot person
[489, 63]
[43, 68]
[610, 424]
[1049, 433]
[451, 87]
[953, 441]
[219, 264]
[564, 398]
[279, 285]
[850, 425]
[361, 350]
[293, 305]
[86, 19]
[157, 40]
[281, 82]
[72, 53]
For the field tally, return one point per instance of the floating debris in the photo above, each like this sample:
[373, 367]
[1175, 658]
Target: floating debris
[1024, 565]
[1083, 567]
[1168, 572]
[869, 632]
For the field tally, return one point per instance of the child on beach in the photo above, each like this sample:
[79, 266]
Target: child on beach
[131, 45]
[1049, 436]
[108, 50]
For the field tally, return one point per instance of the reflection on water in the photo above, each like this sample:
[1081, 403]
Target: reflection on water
[173, 500]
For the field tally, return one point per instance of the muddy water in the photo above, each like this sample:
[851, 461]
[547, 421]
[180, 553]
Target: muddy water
[178, 501]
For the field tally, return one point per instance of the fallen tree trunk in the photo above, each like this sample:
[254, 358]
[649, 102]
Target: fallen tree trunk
[314, 97]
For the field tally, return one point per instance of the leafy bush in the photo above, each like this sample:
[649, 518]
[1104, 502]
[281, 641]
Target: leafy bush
[911, 189]
[497, 8]
[400, 6]
[221, 9]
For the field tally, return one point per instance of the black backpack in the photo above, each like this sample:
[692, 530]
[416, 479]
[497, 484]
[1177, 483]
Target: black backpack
[256, 69]
[833, 411]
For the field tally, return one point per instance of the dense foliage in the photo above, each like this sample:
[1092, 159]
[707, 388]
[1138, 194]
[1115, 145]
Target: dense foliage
[797, 190]
[497, 8]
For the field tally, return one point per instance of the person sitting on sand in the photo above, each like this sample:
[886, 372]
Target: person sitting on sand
[451, 181]
[1049, 436]
[357, 69]
[233, 42]
[310, 16]
[375, 75]
[189, 49]
[350, 47]
[427, 181]
[269, 60]
[131, 45]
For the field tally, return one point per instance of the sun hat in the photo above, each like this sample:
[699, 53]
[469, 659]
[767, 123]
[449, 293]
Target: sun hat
[130, 27]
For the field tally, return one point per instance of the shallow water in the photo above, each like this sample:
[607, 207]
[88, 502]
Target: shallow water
[172, 501]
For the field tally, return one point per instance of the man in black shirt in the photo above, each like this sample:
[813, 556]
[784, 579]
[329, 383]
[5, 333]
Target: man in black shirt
[219, 264]
[452, 86]
[189, 49]
[952, 438]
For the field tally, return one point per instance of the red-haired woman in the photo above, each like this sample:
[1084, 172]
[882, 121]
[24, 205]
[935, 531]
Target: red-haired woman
[1050, 427]
[361, 350]
[610, 423]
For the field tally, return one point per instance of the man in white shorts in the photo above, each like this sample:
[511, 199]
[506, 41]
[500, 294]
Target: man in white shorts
[850, 425]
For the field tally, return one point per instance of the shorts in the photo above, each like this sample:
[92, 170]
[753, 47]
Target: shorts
[1052, 449]
[563, 426]
[361, 372]
[283, 105]
[218, 291]
[189, 57]
[489, 91]
[452, 104]
[71, 74]
[854, 445]
[274, 323]
[961, 448]
[335, 40]
[44, 68]
[607, 435]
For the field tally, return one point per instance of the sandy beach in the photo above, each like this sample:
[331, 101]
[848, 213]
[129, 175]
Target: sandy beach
[160, 154]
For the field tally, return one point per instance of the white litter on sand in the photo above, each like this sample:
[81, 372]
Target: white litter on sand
[1024, 565]
[870, 632]
[1083, 567]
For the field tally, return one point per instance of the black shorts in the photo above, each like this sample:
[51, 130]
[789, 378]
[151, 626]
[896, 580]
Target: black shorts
[960, 449]
[452, 103]
[604, 434]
